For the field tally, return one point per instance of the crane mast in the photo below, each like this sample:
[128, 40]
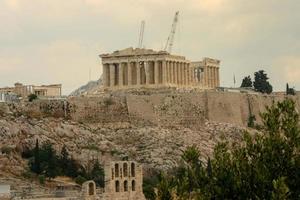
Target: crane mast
[170, 39]
[140, 45]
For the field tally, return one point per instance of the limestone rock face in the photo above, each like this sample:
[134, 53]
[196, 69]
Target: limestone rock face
[153, 146]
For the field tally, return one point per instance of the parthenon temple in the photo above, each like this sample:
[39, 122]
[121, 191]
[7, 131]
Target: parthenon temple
[145, 68]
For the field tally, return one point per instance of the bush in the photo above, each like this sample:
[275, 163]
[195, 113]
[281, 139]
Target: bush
[32, 97]
[6, 150]
[108, 101]
[28, 174]
[42, 179]
[80, 180]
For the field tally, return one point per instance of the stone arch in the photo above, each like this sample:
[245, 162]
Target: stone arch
[132, 169]
[126, 186]
[125, 169]
[133, 185]
[89, 188]
[117, 186]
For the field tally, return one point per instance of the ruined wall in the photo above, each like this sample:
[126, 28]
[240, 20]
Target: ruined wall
[99, 109]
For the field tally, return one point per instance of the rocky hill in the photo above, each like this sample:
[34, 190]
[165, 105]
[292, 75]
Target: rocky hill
[151, 127]
[90, 87]
[155, 146]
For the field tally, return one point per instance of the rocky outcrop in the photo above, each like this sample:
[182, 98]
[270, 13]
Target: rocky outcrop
[154, 146]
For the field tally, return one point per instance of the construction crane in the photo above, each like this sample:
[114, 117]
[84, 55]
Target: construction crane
[170, 40]
[140, 45]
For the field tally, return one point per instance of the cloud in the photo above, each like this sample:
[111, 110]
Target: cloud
[58, 41]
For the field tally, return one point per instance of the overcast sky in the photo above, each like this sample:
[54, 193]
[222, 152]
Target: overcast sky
[58, 41]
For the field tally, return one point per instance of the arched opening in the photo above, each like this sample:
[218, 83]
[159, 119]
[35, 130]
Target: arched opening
[133, 185]
[91, 189]
[117, 186]
[125, 186]
[132, 169]
[112, 174]
[116, 170]
[125, 169]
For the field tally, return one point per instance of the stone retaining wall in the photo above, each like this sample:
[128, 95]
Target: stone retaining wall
[175, 108]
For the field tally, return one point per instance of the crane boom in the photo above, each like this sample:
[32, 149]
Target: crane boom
[140, 45]
[170, 39]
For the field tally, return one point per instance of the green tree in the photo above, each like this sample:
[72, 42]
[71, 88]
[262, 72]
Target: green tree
[32, 97]
[35, 165]
[64, 160]
[164, 188]
[49, 158]
[290, 91]
[281, 190]
[250, 169]
[97, 174]
[261, 83]
[247, 82]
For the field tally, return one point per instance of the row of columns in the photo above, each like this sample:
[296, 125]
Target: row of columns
[211, 77]
[147, 72]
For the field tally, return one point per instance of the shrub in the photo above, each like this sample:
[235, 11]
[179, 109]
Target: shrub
[42, 179]
[108, 101]
[32, 97]
[80, 180]
[6, 150]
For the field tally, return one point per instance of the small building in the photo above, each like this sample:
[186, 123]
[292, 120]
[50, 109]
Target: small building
[53, 90]
[123, 181]
[134, 68]
[5, 192]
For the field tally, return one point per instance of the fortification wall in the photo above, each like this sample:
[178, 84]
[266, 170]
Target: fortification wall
[189, 109]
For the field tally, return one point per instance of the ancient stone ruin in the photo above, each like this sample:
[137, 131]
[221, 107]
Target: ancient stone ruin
[133, 68]
[123, 181]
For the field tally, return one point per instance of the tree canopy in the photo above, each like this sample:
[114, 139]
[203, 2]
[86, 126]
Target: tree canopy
[247, 82]
[263, 166]
[261, 83]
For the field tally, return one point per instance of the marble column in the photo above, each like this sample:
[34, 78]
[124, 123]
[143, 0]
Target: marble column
[179, 73]
[187, 74]
[112, 75]
[147, 71]
[167, 71]
[218, 77]
[129, 76]
[192, 74]
[104, 75]
[164, 74]
[174, 72]
[138, 73]
[184, 74]
[121, 82]
[156, 72]
[171, 72]
[205, 76]
[211, 77]
[215, 78]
